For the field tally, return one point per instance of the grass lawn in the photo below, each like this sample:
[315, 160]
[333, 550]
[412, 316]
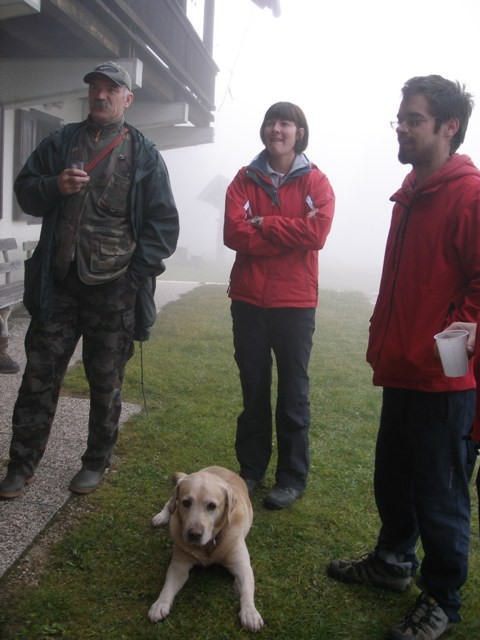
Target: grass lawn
[106, 569]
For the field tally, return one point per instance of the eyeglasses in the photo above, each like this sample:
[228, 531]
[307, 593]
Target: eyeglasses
[412, 122]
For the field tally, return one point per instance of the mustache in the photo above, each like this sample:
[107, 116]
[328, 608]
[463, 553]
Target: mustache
[103, 104]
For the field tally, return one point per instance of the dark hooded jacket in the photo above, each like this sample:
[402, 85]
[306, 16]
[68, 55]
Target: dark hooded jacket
[153, 214]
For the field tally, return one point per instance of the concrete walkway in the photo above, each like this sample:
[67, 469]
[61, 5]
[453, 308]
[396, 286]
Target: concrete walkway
[23, 518]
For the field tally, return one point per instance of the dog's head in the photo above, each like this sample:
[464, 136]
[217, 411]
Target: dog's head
[203, 503]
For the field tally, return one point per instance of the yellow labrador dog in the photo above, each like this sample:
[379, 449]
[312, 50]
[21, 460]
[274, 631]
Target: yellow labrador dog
[210, 515]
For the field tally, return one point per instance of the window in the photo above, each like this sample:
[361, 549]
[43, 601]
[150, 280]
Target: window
[31, 127]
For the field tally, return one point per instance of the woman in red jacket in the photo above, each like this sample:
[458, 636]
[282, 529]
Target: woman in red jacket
[278, 214]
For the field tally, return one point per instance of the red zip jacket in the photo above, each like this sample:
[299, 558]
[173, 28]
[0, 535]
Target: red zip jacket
[476, 369]
[277, 265]
[431, 277]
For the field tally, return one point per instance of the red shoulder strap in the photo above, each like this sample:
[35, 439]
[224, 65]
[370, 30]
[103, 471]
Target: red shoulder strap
[111, 146]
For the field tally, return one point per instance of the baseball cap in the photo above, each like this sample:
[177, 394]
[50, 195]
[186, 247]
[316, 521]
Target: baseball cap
[111, 70]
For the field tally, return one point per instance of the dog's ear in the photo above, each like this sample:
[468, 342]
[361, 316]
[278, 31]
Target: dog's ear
[230, 502]
[172, 503]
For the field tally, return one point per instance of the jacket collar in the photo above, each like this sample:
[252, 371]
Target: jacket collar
[258, 170]
[458, 166]
[300, 164]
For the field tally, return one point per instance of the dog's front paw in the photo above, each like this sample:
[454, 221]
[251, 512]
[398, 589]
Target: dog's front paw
[250, 619]
[159, 610]
[162, 518]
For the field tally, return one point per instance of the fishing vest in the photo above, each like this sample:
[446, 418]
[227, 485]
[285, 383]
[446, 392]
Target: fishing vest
[95, 230]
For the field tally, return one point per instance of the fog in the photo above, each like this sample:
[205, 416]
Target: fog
[343, 62]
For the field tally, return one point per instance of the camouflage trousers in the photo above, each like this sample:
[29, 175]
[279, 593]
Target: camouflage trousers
[103, 316]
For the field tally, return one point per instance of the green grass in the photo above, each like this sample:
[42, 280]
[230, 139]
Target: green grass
[102, 577]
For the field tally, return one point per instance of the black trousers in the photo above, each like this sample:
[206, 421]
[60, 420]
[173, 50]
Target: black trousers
[288, 333]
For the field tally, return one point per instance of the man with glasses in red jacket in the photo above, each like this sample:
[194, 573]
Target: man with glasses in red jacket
[431, 277]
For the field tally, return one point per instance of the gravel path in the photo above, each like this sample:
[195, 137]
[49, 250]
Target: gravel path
[23, 518]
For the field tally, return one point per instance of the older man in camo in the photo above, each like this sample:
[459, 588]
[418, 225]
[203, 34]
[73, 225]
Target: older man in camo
[109, 220]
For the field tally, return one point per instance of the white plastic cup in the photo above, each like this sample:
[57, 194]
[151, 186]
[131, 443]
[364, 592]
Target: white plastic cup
[452, 348]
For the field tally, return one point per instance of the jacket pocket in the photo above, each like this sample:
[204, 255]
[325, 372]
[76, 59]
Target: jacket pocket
[112, 256]
[115, 195]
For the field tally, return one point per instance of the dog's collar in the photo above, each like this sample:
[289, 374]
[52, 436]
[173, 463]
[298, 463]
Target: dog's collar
[214, 541]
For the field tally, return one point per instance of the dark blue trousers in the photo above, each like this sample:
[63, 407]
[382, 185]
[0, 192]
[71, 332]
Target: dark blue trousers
[423, 466]
[287, 332]
[478, 493]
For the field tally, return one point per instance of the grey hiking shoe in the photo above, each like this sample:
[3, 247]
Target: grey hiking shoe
[252, 485]
[371, 571]
[426, 620]
[13, 483]
[281, 497]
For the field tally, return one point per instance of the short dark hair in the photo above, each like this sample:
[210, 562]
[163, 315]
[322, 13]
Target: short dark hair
[446, 99]
[292, 113]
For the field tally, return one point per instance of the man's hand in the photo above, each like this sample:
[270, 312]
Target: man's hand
[70, 181]
[471, 327]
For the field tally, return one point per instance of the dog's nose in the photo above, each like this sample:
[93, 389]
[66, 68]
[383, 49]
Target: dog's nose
[194, 535]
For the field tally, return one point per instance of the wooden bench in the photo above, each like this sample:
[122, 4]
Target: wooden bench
[11, 293]
[29, 246]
